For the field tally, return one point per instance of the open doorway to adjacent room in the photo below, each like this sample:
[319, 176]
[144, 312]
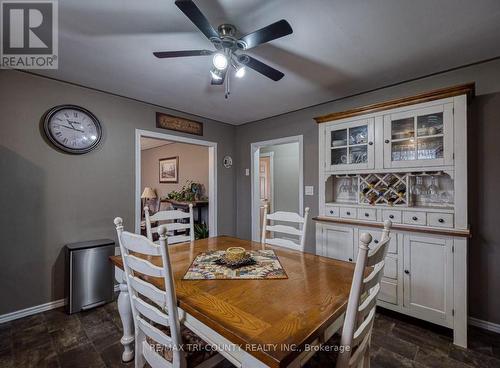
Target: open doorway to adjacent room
[173, 172]
[277, 179]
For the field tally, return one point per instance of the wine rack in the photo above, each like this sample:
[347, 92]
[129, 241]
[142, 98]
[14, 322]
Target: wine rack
[390, 189]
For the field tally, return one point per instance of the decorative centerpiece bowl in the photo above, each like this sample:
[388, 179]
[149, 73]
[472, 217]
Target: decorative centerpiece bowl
[235, 254]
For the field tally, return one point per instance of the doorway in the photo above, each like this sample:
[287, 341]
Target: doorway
[152, 175]
[276, 178]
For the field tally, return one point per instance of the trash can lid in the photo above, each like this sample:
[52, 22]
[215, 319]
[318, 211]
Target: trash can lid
[90, 244]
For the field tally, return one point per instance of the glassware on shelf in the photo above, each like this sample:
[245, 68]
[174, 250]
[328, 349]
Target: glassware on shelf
[354, 185]
[433, 190]
[429, 125]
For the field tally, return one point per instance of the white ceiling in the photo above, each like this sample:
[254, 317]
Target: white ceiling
[338, 48]
[148, 143]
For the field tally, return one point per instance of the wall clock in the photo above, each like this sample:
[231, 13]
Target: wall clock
[72, 129]
[227, 162]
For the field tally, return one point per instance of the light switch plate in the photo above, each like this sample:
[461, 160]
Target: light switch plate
[247, 172]
[309, 190]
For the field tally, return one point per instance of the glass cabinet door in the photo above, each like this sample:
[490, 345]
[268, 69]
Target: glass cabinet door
[422, 137]
[350, 145]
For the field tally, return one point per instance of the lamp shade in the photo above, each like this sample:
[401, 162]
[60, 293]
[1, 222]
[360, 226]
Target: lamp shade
[148, 193]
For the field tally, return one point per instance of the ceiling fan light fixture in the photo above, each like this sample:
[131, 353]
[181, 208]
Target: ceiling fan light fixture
[216, 74]
[220, 61]
[240, 72]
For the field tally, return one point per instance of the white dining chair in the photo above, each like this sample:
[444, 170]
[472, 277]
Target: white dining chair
[360, 313]
[297, 231]
[160, 338]
[174, 216]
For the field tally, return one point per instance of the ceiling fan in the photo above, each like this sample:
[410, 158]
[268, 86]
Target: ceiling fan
[230, 49]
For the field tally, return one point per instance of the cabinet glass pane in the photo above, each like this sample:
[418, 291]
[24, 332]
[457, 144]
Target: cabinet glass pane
[358, 154]
[403, 128]
[430, 124]
[339, 138]
[339, 156]
[403, 150]
[358, 135]
[430, 148]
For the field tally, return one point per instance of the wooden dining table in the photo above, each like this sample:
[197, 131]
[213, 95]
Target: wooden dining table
[254, 323]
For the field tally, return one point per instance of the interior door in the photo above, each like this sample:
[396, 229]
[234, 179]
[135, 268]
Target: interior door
[265, 192]
[428, 278]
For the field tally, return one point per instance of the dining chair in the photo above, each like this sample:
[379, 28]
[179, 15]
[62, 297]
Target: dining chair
[174, 216]
[360, 313]
[160, 338]
[297, 231]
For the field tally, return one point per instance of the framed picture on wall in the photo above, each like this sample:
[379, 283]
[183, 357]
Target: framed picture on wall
[169, 170]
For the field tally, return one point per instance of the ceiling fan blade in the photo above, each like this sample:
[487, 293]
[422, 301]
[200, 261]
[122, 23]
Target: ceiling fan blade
[173, 54]
[218, 82]
[196, 16]
[260, 67]
[266, 34]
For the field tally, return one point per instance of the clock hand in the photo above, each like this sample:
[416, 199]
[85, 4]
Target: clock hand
[71, 127]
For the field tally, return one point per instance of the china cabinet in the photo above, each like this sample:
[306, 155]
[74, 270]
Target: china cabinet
[406, 161]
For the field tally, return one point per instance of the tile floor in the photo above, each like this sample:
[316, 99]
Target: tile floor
[92, 339]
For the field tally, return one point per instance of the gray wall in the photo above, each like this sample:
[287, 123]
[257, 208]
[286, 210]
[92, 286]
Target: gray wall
[50, 198]
[285, 176]
[484, 247]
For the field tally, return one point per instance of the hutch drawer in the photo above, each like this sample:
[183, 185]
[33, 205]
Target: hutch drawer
[440, 219]
[393, 215]
[367, 214]
[348, 212]
[414, 218]
[332, 211]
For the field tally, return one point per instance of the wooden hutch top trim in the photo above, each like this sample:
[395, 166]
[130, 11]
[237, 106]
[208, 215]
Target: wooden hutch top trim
[427, 230]
[468, 88]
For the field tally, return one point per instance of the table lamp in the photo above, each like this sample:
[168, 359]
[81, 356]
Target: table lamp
[146, 195]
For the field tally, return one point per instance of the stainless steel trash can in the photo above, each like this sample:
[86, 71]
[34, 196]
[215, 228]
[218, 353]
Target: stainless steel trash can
[89, 274]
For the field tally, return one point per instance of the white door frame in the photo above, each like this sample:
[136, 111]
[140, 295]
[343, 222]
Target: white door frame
[254, 175]
[271, 174]
[212, 174]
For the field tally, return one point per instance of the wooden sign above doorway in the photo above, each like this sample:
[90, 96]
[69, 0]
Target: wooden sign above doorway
[178, 124]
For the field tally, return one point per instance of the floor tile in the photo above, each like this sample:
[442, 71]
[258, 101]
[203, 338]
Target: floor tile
[434, 359]
[84, 356]
[383, 358]
[473, 358]
[112, 356]
[41, 355]
[394, 344]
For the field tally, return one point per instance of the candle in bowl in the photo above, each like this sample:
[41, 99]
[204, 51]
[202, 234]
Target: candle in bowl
[235, 253]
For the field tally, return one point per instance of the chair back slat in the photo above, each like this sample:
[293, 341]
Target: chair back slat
[283, 229]
[149, 291]
[139, 244]
[287, 217]
[374, 277]
[144, 267]
[151, 305]
[157, 335]
[153, 358]
[150, 312]
[172, 227]
[362, 303]
[378, 254]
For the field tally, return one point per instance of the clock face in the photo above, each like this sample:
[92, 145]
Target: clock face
[72, 129]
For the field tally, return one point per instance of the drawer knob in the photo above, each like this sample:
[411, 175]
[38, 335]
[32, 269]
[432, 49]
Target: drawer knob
[348, 213]
[370, 143]
[350, 259]
[331, 212]
[391, 216]
[387, 141]
[367, 214]
[375, 241]
[407, 272]
[414, 218]
[441, 220]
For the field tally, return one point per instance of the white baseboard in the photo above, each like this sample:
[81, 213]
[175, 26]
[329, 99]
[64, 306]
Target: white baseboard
[32, 310]
[490, 326]
[37, 309]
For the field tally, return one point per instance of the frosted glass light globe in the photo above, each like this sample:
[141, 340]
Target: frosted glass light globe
[220, 61]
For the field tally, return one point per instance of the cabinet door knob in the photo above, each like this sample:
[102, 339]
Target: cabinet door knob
[441, 220]
[348, 213]
[387, 141]
[414, 218]
[391, 216]
[407, 272]
[370, 143]
[367, 214]
[331, 212]
[350, 259]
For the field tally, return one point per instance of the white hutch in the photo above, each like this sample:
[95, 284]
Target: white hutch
[404, 160]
